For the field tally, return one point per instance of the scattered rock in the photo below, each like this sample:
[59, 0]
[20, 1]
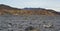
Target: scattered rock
[10, 30]
[10, 24]
[30, 28]
[1, 29]
[48, 26]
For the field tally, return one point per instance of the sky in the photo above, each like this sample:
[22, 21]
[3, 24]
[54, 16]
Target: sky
[48, 4]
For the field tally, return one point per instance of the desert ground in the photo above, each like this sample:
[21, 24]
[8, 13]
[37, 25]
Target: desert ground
[20, 23]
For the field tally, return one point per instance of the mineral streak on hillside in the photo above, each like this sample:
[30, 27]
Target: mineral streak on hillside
[5, 9]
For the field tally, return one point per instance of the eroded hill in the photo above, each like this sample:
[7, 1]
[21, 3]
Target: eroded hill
[5, 9]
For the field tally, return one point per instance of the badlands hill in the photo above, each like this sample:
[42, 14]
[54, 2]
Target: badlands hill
[5, 9]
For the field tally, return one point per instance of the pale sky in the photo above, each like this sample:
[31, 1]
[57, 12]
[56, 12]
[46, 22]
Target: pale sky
[51, 4]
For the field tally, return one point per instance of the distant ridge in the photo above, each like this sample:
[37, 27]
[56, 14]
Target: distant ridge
[5, 9]
[34, 9]
[2, 6]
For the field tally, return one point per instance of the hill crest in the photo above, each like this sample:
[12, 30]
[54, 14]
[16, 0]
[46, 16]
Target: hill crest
[5, 9]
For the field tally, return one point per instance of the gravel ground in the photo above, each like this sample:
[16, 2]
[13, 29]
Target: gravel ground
[20, 23]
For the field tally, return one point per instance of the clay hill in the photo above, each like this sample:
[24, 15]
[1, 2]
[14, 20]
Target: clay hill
[5, 9]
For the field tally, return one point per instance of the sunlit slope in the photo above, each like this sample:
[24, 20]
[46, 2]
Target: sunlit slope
[5, 9]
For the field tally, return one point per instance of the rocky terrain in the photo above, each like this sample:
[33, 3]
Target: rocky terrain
[29, 23]
[28, 19]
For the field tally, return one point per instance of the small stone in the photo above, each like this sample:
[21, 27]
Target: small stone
[10, 30]
[48, 26]
[10, 24]
[31, 29]
[1, 29]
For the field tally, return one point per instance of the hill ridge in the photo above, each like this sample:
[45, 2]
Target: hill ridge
[5, 9]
